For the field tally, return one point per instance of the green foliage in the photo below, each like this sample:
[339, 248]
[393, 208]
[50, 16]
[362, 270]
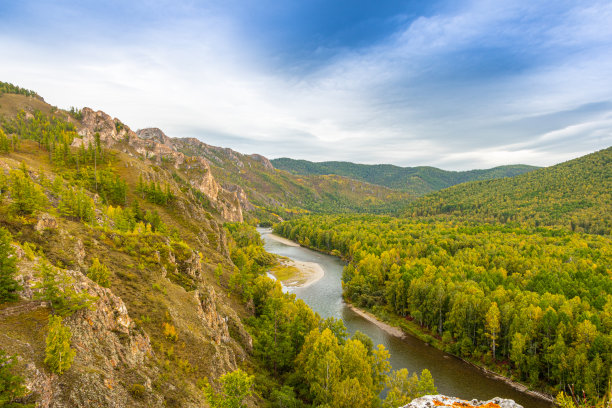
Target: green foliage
[8, 285]
[99, 273]
[403, 388]
[153, 192]
[415, 180]
[7, 88]
[540, 299]
[75, 113]
[138, 391]
[56, 287]
[27, 196]
[58, 353]
[76, 203]
[576, 195]
[341, 375]
[11, 385]
[235, 388]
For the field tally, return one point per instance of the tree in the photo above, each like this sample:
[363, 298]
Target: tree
[58, 353]
[27, 196]
[56, 288]
[492, 325]
[11, 386]
[235, 387]
[99, 273]
[8, 285]
[426, 384]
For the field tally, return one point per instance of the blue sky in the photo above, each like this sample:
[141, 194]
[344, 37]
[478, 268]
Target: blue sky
[453, 84]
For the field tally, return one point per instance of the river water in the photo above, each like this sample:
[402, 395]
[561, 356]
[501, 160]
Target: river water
[452, 376]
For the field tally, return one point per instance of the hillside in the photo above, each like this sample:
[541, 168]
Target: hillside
[128, 279]
[417, 181]
[576, 195]
[267, 192]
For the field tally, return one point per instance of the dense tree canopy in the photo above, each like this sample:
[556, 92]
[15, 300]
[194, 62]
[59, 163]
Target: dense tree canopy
[538, 298]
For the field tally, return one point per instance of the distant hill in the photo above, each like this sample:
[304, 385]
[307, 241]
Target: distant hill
[267, 190]
[576, 194]
[415, 180]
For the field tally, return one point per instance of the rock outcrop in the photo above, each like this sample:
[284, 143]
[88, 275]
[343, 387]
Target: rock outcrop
[430, 401]
[153, 144]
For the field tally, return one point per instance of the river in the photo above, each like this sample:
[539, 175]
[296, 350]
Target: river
[452, 376]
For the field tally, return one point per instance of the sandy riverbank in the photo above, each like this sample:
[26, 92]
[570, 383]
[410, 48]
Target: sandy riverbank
[283, 240]
[394, 331]
[297, 274]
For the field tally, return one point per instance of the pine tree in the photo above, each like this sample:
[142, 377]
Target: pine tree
[99, 273]
[8, 284]
[58, 353]
[11, 386]
[56, 288]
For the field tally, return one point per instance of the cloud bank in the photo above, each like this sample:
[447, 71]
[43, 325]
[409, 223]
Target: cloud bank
[473, 85]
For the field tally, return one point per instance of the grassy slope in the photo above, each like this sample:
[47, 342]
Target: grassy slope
[415, 180]
[135, 269]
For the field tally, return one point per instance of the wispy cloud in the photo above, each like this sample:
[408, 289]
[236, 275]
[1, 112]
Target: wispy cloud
[459, 86]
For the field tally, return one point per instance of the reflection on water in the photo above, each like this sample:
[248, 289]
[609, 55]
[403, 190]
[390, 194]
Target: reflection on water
[452, 376]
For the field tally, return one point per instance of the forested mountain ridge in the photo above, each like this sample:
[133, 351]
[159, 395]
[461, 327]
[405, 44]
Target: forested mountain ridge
[575, 195]
[415, 180]
[271, 192]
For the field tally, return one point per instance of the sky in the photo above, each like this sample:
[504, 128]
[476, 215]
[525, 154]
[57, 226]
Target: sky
[452, 84]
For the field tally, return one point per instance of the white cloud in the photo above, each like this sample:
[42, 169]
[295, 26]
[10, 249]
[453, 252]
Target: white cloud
[391, 102]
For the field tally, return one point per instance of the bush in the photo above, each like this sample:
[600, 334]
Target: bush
[138, 391]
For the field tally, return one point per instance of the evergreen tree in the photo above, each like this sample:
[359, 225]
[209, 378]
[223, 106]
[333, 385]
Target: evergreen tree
[58, 353]
[27, 196]
[99, 273]
[8, 284]
[11, 386]
[56, 288]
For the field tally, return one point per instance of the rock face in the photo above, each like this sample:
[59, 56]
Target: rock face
[153, 144]
[109, 347]
[430, 401]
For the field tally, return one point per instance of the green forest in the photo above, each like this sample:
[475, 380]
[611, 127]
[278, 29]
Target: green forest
[534, 303]
[575, 195]
[417, 181]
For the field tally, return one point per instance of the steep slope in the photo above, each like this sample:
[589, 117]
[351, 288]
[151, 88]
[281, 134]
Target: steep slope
[415, 180]
[265, 191]
[576, 195]
[81, 188]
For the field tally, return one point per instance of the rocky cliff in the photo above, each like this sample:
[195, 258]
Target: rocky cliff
[153, 145]
[430, 401]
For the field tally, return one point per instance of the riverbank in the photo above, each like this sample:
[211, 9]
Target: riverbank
[285, 241]
[392, 330]
[297, 274]
[403, 332]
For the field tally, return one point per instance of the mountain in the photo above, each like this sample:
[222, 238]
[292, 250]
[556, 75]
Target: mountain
[127, 277]
[576, 195]
[122, 238]
[417, 181]
[266, 191]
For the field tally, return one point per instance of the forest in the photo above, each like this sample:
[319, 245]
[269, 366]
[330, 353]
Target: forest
[534, 303]
[575, 195]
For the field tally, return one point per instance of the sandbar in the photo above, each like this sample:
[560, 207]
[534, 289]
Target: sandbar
[285, 241]
[306, 273]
